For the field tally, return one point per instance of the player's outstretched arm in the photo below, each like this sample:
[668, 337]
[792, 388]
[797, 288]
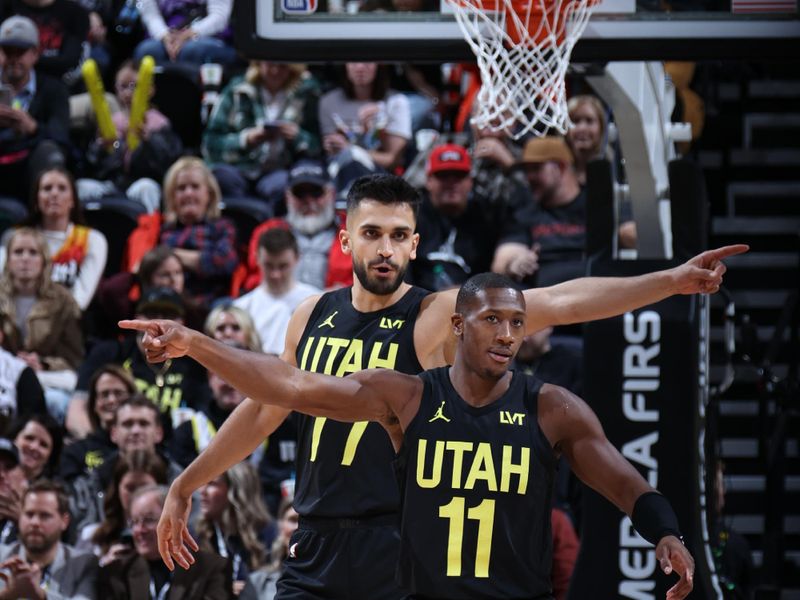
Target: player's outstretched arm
[591, 298]
[573, 428]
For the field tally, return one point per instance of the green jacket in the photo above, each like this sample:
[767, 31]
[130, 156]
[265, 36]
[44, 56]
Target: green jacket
[239, 107]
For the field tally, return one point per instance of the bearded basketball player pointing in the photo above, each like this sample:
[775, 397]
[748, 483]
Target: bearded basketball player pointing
[346, 493]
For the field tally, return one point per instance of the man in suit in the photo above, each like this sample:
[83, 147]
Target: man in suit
[34, 110]
[39, 566]
[144, 575]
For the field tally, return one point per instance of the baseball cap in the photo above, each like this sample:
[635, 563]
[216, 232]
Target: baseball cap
[449, 157]
[543, 149]
[162, 301]
[8, 448]
[308, 171]
[19, 32]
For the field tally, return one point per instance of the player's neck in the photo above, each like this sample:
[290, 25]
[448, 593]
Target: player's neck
[366, 301]
[477, 390]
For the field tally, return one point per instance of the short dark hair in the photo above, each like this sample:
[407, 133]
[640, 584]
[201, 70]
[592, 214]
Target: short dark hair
[44, 486]
[383, 188]
[139, 401]
[277, 240]
[477, 283]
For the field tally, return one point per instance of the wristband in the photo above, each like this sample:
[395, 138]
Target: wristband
[654, 518]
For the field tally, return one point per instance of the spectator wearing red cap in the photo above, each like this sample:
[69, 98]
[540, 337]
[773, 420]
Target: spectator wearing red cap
[457, 235]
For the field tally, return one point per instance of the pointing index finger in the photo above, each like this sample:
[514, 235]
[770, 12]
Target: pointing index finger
[139, 325]
[727, 251]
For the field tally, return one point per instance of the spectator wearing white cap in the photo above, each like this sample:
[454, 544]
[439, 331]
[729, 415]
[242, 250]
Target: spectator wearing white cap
[34, 110]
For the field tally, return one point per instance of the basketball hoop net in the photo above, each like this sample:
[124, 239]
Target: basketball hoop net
[523, 49]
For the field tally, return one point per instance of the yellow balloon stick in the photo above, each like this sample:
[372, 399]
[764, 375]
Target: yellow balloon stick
[141, 98]
[94, 85]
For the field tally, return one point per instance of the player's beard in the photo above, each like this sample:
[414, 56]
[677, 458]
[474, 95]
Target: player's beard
[311, 224]
[377, 286]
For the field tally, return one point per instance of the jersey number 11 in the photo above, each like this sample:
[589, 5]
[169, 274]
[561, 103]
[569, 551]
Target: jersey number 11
[484, 514]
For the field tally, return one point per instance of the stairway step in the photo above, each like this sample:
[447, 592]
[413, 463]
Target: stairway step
[771, 130]
[757, 157]
[770, 88]
[754, 524]
[773, 299]
[757, 483]
[764, 260]
[747, 447]
[762, 191]
[749, 226]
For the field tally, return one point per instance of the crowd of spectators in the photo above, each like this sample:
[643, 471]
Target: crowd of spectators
[231, 224]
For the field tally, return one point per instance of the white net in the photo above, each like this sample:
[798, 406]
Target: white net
[523, 49]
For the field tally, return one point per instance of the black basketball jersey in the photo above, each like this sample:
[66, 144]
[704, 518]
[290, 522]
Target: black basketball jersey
[476, 495]
[344, 470]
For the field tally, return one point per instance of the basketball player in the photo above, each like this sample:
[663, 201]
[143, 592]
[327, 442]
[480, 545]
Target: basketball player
[477, 449]
[346, 492]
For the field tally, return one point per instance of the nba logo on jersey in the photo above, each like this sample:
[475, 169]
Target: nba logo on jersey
[299, 7]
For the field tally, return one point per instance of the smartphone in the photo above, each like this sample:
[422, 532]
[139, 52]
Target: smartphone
[271, 126]
[6, 95]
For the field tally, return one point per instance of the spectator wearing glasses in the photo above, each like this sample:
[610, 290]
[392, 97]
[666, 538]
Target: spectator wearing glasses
[144, 575]
[109, 386]
[457, 236]
[232, 325]
[312, 219]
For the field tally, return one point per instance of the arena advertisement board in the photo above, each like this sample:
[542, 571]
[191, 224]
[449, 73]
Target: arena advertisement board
[645, 377]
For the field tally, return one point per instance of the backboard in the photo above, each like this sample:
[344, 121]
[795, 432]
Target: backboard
[340, 30]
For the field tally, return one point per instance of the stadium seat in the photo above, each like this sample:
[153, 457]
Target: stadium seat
[12, 211]
[246, 213]
[116, 217]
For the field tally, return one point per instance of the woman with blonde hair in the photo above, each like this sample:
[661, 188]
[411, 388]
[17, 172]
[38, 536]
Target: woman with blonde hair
[203, 241]
[234, 521]
[232, 325]
[587, 136]
[262, 124]
[45, 316]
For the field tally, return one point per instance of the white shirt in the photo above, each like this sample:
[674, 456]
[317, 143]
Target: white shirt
[271, 314]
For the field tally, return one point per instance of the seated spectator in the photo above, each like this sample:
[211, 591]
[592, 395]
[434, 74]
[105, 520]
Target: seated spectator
[587, 136]
[192, 226]
[312, 218]
[272, 303]
[232, 325]
[116, 169]
[63, 27]
[457, 237]
[553, 360]
[118, 294]
[552, 242]
[176, 387]
[363, 124]
[234, 522]
[194, 435]
[194, 32]
[45, 316]
[39, 440]
[262, 584]
[78, 252]
[111, 538]
[262, 123]
[39, 560]
[136, 427]
[21, 394]
[34, 118]
[12, 485]
[109, 386]
[130, 577]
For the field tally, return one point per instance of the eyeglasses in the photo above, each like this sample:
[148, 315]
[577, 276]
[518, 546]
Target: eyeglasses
[113, 394]
[232, 326]
[146, 522]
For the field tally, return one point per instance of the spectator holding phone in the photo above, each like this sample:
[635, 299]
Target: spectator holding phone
[262, 123]
[34, 119]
